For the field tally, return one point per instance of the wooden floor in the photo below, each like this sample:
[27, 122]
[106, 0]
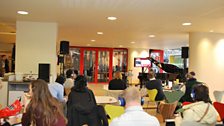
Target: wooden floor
[99, 91]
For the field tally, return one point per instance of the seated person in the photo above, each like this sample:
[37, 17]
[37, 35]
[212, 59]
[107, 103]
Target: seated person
[155, 84]
[201, 111]
[134, 114]
[82, 105]
[56, 88]
[190, 83]
[117, 83]
[43, 109]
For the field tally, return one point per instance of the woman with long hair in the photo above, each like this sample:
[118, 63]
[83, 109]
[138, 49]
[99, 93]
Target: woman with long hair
[43, 109]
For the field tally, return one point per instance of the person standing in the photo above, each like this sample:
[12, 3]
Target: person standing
[69, 82]
[134, 114]
[6, 63]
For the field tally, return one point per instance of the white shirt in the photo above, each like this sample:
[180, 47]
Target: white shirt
[135, 116]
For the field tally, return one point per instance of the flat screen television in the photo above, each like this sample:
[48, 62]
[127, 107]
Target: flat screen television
[142, 62]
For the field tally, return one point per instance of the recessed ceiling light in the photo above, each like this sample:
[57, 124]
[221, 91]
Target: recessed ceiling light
[112, 18]
[88, 45]
[99, 33]
[211, 31]
[152, 36]
[93, 40]
[186, 24]
[132, 42]
[22, 12]
[120, 45]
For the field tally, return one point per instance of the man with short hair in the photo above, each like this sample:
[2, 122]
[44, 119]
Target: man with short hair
[134, 114]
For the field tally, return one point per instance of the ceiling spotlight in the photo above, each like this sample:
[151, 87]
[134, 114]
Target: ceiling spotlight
[88, 45]
[22, 12]
[112, 18]
[120, 45]
[152, 36]
[93, 40]
[186, 24]
[211, 31]
[99, 33]
[132, 42]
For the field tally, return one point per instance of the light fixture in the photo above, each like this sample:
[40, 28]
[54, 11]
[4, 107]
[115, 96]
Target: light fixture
[88, 45]
[211, 31]
[93, 40]
[152, 36]
[99, 33]
[22, 12]
[186, 24]
[120, 45]
[112, 18]
[132, 42]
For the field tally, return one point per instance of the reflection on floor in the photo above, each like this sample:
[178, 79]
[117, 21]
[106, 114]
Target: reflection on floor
[99, 91]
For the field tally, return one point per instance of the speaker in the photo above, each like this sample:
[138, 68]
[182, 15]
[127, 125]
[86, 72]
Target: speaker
[64, 47]
[44, 72]
[184, 52]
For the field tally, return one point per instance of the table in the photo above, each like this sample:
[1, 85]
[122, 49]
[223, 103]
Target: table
[105, 99]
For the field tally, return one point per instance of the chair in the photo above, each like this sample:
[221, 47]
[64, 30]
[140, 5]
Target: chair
[172, 96]
[220, 109]
[167, 110]
[151, 98]
[113, 111]
[218, 95]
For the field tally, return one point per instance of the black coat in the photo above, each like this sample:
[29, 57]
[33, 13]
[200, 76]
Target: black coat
[82, 109]
[117, 84]
[156, 84]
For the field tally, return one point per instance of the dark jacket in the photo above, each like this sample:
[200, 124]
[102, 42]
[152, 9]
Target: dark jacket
[156, 84]
[117, 84]
[82, 108]
[189, 86]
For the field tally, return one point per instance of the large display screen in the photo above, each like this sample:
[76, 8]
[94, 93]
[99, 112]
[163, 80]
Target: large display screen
[142, 62]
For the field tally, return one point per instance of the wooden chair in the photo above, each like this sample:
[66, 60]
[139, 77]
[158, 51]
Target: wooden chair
[167, 110]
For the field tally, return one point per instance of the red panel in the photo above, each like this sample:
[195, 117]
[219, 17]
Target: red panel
[81, 61]
[111, 64]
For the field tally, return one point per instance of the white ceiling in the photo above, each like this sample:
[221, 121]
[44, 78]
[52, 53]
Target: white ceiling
[79, 20]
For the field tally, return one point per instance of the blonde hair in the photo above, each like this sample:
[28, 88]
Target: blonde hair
[132, 94]
[117, 75]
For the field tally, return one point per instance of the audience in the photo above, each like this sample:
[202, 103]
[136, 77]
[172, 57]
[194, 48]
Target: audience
[56, 88]
[117, 83]
[201, 112]
[134, 114]
[69, 82]
[43, 109]
[82, 108]
[190, 83]
[155, 84]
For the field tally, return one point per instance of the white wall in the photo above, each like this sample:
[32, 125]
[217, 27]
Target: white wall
[207, 59]
[132, 53]
[35, 43]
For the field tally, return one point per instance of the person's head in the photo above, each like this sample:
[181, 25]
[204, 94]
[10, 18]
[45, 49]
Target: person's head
[117, 75]
[42, 104]
[200, 92]
[132, 96]
[76, 73]
[190, 75]
[151, 74]
[80, 83]
[60, 79]
[69, 73]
